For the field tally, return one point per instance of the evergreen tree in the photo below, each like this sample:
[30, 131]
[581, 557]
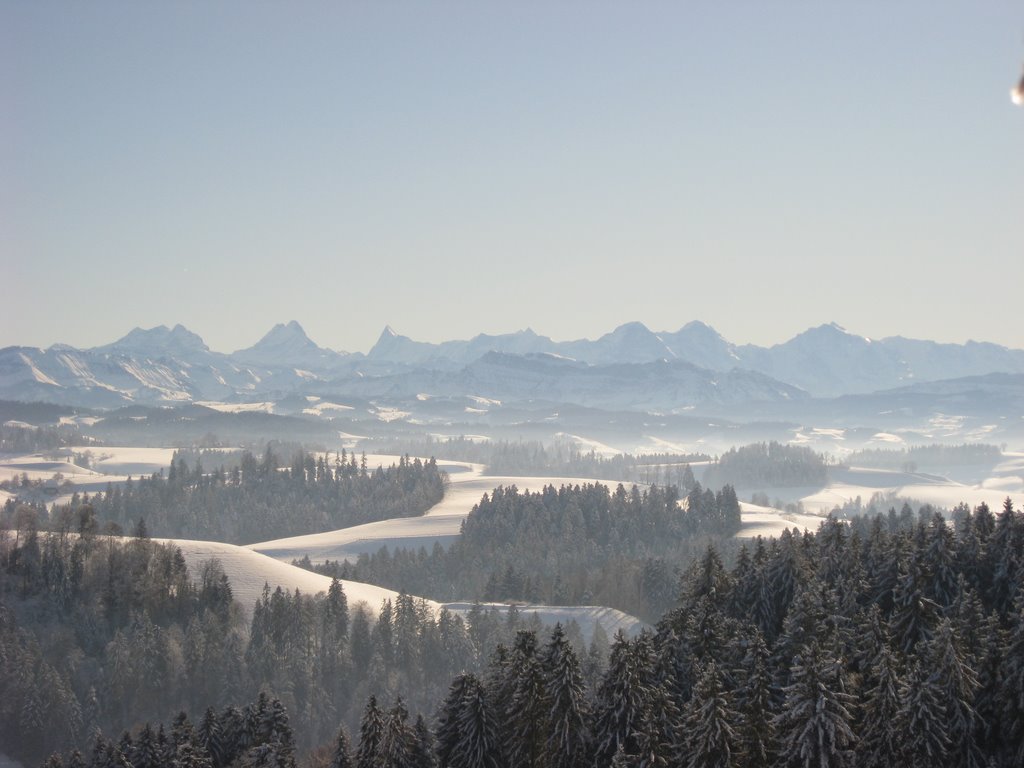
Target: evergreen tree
[341, 752]
[396, 741]
[650, 749]
[563, 688]
[958, 684]
[209, 737]
[921, 720]
[940, 563]
[448, 730]
[711, 737]
[622, 699]
[479, 744]
[814, 724]
[1010, 700]
[371, 733]
[422, 750]
[881, 744]
[914, 614]
[757, 741]
[525, 712]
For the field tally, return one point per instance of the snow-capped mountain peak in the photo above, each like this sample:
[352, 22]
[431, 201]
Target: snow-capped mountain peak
[159, 341]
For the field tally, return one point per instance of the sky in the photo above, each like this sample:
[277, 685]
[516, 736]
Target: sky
[452, 168]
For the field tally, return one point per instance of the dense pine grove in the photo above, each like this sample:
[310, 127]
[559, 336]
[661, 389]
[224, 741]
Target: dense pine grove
[572, 545]
[100, 633]
[267, 498]
[893, 640]
[558, 458]
[926, 456]
[768, 465]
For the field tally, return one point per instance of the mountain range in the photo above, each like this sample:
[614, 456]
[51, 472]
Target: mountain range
[630, 368]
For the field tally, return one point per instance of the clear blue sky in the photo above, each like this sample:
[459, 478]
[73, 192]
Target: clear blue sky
[451, 168]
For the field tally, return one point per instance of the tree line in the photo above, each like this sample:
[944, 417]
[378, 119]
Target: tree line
[935, 455]
[104, 634]
[768, 465]
[266, 498]
[583, 544]
[891, 640]
[561, 457]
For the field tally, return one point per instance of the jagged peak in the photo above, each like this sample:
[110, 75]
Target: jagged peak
[284, 341]
[291, 329]
[388, 336]
[390, 342]
[634, 326]
[159, 338]
[699, 326]
[831, 332]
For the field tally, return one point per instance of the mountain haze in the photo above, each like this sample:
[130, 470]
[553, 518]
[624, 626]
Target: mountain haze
[630, 367]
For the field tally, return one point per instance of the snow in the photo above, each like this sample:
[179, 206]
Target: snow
[157, 377]
[124, 460]
[468, 438]
[1007, 479]
[38, 468]
[610, 619]
[248, 571]
[768, 521]
[586, 445]
[84, 420]
[657, 445]
[483, 400]
[817, 434]
[442, 522]
[264, 407]
[391, 414]
[349, 440]
[38, 375]
[111, 465]
[319, 408]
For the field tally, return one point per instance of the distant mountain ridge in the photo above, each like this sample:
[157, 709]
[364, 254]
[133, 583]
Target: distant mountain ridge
[630, 367]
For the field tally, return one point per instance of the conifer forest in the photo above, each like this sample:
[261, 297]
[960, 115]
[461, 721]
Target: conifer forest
[896, 639]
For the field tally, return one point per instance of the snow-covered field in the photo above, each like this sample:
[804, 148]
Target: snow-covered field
[106, 461]
[215, 405]
[131, 461]
[1005, 480]
[248, 571]
[441, 523]
[768, 521]
[252, 566]
[108, 465]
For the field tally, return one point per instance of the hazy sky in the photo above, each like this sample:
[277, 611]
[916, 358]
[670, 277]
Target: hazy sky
[454, 168]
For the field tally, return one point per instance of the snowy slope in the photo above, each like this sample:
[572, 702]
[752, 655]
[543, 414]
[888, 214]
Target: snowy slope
[248, 571]
[441, 523]
[1005, 480]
